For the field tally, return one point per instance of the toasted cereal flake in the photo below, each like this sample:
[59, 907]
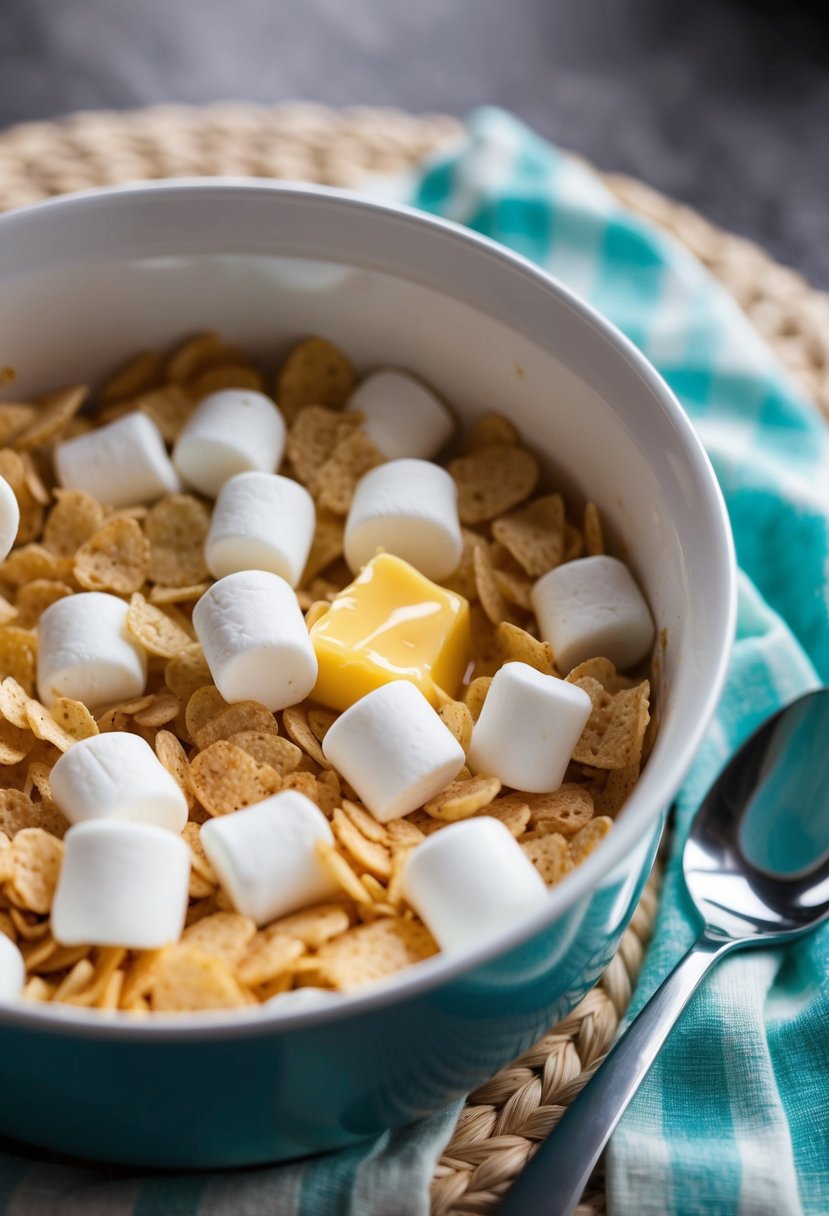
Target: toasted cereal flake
[8, 612]
[78, 978]
[603, 671]
[38, 777]
[368, 854]
[18, 812]
[493, 603]
[515, 587]
[492, 480]
[187, 671]
[616, 790]
[462, 580]
[476, 694]
[491, 429]
[115, 559]
[565, 810]
[534, 535]
[462, 799]
[337, 480]
[36, 861]
[312, 926]
[203, 705]
[512, 811]
[34, 482]
[34, 598]
[225, 778]
[315, 373]
[74, 718]
[225, 375]
[404, 835]
[225, 935]
[194, 355]
[174, 758]
[365, 823]
[45, 727]
[238, 717]
[15, 743]
[518, 646]
[137, 376]
[54, 410]
[550, 855]
[593, 538]
[38, 989]
[18, 648]
[154, 630]
[615, 729]
[585, 841]
[186, 978]
[341, 872]
[269, 956]
[326, 547]
[297, 729]
[321, 721]
[199, 861]
[177, 595]
[316, 611]
[456, 717]
[372, 952]
[14, 418]
[169, 407]
[176, 527]
[33, 561]
[268, 748]
[573, 543]
[313, 438]
[73, 519]
[163, 708]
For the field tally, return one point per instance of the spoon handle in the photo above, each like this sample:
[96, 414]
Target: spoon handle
[553, 1181]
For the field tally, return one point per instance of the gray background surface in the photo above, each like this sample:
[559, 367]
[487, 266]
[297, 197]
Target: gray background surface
[722, 103]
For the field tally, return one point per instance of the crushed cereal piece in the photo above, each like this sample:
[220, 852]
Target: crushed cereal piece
[115, 558]
[492, 480]
[36, 860]
[154, 630]
[615, 729]
[534, 535]
[518, 646]
[490, 430]
[241, 716]
[225, 935]
[462, 799]
[585, 841]
[186, 978]
[315, 373]
[550, 855]
[225, 778]
[176, 527]
[372, 952]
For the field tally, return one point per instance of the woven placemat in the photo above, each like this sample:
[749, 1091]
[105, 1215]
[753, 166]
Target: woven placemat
[504, 1120]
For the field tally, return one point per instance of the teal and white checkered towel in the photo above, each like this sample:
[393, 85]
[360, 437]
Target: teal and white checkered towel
[734, 1118]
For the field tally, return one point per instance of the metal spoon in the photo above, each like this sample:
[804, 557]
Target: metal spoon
[756, 865]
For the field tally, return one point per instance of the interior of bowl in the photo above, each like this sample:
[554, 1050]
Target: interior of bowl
[87, 281]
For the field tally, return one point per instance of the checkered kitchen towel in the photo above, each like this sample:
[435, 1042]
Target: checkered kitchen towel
[734, 1118]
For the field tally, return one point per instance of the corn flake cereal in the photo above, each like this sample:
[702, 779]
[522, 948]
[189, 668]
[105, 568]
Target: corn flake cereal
[176, 528]
[315, 373]
[225, 778]
[492, 480]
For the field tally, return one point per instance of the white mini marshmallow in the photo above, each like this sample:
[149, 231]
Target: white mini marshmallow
[121, 884]
[120, 464]
[255, 639]
[471, 880]
[233, 431]
[402, 417]
[265, 856]
[12, 970]
[409, 508]
[528, 728]
[261, 521]
[592, 608]
[9, 518]
[117, 776]
[84, 651]
[393, 749]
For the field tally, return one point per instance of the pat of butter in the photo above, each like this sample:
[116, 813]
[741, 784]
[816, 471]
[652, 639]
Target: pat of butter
[391, 623]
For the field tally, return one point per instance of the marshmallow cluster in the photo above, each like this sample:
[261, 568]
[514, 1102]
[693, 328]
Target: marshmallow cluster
[121, 884]
[471, 880]
[591, 607]
[85, 652]
[393, 749]
[261, 521]
[408, 508]
[12, 970]
[233, 431]
[401, 416]
[117, 776]
[528, 728]
[122, 463]
[265, 856]
[255, 640]
[9, 518]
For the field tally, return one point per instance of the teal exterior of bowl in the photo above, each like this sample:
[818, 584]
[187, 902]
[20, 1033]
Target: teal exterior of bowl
[277, 1092]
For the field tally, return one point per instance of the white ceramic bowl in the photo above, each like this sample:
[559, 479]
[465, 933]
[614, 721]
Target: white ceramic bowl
[87, 280]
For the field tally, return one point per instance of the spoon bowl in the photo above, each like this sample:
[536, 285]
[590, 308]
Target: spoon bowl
[756, 865]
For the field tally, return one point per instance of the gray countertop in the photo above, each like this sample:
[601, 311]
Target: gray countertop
[721, 103]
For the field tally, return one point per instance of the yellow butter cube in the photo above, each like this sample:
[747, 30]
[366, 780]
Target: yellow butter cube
[391, 623]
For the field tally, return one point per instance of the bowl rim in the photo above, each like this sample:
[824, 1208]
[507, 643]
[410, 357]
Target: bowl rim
[644, 806]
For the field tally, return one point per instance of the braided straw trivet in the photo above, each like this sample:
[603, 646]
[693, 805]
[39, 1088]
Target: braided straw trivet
[504, 1119]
